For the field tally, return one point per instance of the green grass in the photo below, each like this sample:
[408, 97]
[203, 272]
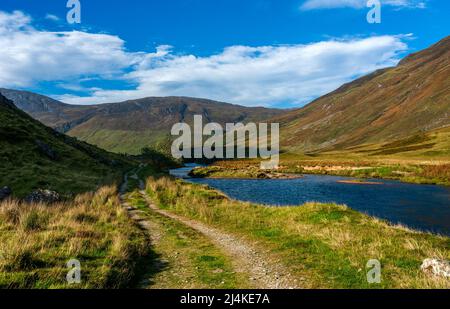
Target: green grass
[251, 172]
[189, 259]
[329, 245]
[214, 171]
[76, 167]
[120, 141]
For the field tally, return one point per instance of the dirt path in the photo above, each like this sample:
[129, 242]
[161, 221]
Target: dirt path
[134, 214]
[133, 174]
[264, 271]
[182, 257]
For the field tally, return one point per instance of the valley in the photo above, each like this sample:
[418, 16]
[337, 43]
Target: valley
[115, 207]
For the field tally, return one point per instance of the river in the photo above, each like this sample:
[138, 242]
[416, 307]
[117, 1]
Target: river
[422, 207]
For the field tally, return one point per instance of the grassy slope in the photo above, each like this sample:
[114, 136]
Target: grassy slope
[433, 145]
[421, 158]
[37, 241]
[325, 244]
[78, 167]
[119, 141]
[387, 105]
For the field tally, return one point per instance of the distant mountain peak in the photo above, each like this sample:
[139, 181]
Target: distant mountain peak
[131, 125]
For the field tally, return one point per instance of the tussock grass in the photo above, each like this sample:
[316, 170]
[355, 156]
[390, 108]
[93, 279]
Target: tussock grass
[327, 244]
[37, 240]
[441, 173]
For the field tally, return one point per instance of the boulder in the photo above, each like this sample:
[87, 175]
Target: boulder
[435, 267]
[43, 196]
[263, 175]
[5, 192]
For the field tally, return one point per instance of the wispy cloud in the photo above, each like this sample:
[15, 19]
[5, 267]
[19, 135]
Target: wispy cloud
[358, 4]
[261, 75]
[52, 17]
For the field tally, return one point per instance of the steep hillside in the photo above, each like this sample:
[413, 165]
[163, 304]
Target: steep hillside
[391, 104]
[34, 156]
[129, 126]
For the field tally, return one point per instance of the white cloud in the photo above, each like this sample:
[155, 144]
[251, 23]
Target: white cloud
[13, 22]
[358, 4]
[52, 17]
[28, 55]
[264, 75]
[258, 75]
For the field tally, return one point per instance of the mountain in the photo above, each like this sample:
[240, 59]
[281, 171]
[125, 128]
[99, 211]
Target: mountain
[34, 156]
[129, 126]
[396, 103]
[404, 104]
[48, 111]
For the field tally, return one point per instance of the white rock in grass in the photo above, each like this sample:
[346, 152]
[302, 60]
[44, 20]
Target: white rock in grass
[436, 267]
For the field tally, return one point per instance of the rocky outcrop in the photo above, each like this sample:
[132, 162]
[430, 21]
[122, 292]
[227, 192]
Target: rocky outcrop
[46, 150]
[43, 196]
[5, 192]
[4, 102]
[435, 267]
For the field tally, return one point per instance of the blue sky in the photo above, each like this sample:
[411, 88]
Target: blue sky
[253, 52]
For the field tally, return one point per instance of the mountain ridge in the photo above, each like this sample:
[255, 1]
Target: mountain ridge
[132, 125]
[389, 104]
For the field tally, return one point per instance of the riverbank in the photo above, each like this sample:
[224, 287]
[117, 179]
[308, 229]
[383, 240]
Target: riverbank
[251, 172]
[410, 171]
[323, 245]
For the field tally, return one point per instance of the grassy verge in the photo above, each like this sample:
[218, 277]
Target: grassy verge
[37, 241]
[183, 257]
[329, 245]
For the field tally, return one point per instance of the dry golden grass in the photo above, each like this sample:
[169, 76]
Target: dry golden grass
[37, 240]
[436, 171]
